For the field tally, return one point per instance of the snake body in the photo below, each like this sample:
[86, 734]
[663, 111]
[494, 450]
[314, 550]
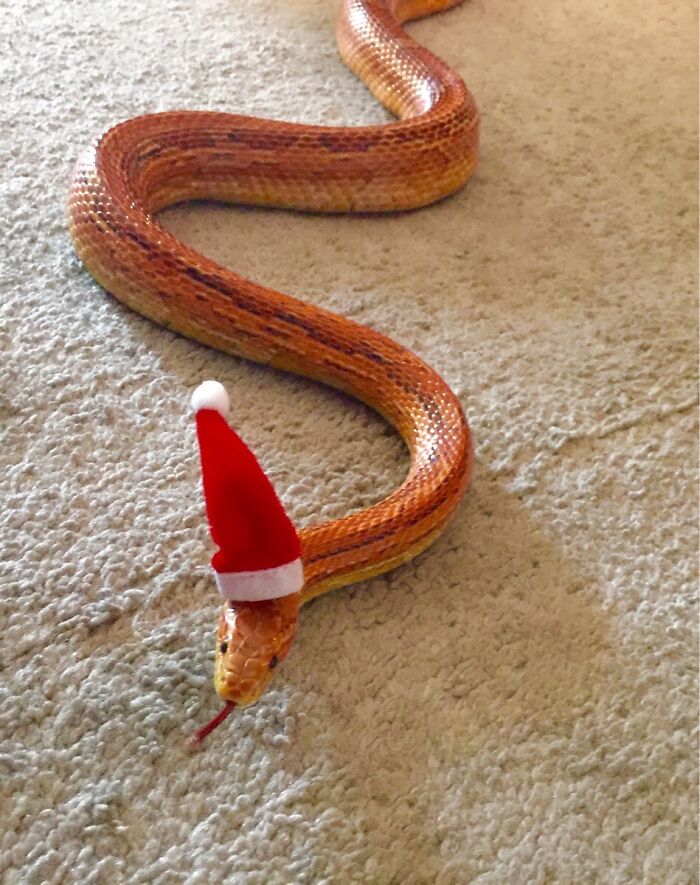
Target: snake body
[147, 163]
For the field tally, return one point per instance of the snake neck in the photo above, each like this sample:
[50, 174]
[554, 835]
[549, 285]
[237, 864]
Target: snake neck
[149, 162]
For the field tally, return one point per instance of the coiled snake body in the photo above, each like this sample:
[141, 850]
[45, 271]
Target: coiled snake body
[150, 162]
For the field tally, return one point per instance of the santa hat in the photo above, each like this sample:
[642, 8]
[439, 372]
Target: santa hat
[259, 554]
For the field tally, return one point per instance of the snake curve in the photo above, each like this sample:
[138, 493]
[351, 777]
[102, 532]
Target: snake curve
[147, 163]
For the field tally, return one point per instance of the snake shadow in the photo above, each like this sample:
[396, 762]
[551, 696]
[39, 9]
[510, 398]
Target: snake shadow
[400, 684]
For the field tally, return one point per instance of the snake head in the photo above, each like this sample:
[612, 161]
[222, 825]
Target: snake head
[252, 638]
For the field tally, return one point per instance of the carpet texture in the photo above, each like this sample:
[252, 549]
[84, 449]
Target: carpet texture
[517, 705]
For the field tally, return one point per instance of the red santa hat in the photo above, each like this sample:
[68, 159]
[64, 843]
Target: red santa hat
[259, 554]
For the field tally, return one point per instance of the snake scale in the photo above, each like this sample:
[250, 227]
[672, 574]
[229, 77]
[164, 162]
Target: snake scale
[144, 164]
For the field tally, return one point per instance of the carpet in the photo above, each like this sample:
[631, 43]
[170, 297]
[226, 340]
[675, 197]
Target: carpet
[517, 705]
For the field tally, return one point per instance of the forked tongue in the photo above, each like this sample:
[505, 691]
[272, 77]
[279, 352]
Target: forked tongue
[195, 741]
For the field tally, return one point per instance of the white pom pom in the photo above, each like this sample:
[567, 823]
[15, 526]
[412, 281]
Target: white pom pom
[211, 395]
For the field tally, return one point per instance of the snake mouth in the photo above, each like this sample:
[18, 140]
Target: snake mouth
[197, 739]
[241, 688]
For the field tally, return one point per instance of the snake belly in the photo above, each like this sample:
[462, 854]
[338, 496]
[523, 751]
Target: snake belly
[147, 163]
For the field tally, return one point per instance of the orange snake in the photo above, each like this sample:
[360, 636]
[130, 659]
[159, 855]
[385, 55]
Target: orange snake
[145, 164]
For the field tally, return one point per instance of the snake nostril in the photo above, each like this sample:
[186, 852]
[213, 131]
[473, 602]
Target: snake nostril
[223, 648]
[273, 662]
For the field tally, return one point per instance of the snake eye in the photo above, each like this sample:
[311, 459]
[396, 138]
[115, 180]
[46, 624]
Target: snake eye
[273, 662]
[223, 647]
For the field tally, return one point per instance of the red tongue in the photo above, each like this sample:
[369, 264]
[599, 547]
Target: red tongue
[197, 739]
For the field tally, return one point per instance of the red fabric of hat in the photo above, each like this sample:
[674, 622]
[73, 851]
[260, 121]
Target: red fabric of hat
[259, 550]
[247, 520]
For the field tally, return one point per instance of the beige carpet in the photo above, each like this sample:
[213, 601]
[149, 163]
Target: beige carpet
[518, 705]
